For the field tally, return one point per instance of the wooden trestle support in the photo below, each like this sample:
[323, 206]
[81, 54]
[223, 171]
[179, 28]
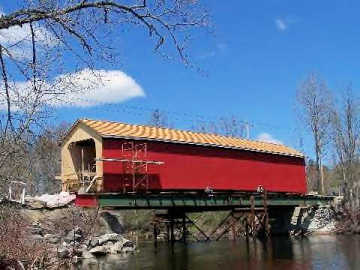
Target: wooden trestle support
[242, 222]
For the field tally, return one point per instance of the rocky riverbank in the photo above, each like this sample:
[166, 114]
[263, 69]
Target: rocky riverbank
[306, 221]
[75, 243]
[49, 230]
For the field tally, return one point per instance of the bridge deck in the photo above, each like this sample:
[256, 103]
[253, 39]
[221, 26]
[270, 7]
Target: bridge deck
[198, 202]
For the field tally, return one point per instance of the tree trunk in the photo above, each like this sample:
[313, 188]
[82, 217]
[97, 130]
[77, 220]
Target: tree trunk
[319, 171]
[322, 178]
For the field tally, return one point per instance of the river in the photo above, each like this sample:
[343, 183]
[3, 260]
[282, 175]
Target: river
[315, 252]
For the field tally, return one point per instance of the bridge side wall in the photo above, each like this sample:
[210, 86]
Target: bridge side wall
[191, 167]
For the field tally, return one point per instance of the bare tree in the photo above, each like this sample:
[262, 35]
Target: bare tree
[233, 127]
[44, 159]
[39, 38]
[314, 103]
[227, 126]
[312, 176]
[345, 137]
[37, 161]
[159, 119]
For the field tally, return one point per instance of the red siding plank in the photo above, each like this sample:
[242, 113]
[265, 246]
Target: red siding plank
[85, 201]
[191, 167]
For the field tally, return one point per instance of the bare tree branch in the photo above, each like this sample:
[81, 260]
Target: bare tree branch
[6, 86]
[39, 38]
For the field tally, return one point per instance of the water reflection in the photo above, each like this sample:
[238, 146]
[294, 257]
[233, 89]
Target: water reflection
[317, 252]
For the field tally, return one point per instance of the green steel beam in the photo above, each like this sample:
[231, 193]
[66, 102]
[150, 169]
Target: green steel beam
[202, 202]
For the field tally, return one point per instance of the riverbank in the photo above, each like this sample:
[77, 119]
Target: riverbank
[43, 235]
[59, 233]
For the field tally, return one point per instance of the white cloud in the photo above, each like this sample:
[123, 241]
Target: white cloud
[85, 88]
[266, 137]
[281, 24]
[18, 39]
[99, 87]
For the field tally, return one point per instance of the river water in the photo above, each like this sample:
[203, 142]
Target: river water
[315, 252]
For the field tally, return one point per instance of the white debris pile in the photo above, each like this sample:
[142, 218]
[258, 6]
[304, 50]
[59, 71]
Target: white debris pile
[323, 220]
[56, 200]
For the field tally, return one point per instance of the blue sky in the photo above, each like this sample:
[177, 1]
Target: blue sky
[255, 60]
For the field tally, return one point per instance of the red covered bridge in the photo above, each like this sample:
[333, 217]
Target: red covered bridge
[123, 166]
[114, 157]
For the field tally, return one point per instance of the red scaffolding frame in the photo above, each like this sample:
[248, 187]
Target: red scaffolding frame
[135, 166]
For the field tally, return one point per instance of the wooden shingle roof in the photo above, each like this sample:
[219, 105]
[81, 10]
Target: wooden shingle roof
[107, 129]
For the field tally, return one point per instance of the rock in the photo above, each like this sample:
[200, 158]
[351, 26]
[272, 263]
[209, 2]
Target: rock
[116, 248]
[112, 237]
[74, 234]
[36, 224]
[37, 237]
[94, 242]
[36, 230]
[82, 248]
[63, 252]
[99, 250]
[52, 238]
[111, 243]
[87, 243]
[129, 244]
[34, 204]
[71, 237]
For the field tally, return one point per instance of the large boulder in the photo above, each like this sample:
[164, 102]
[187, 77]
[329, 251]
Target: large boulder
[116, 248]
[110, 237]
[122, 247]
[111, 243]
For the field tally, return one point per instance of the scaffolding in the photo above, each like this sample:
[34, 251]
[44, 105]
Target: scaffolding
[135, 166]
[17, 191]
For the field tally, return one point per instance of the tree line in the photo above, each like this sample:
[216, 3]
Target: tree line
[332, 119]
